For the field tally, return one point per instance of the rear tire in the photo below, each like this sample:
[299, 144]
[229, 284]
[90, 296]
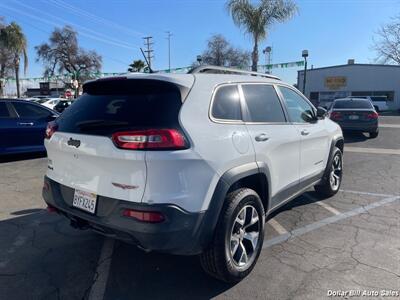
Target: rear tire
[238, 237]
[330, 184]
[373, 134]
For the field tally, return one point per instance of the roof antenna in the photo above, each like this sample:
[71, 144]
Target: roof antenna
[147, 62]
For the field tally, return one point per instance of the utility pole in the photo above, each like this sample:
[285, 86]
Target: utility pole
[169, 34]
[148, 42]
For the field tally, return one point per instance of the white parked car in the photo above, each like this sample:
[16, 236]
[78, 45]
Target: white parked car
[379, 102]
[189, 163]
[51, 102]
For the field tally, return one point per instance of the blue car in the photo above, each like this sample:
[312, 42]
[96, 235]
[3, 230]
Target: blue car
[23, 125]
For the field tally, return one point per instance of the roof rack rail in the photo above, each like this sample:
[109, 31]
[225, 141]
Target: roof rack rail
[224, 70]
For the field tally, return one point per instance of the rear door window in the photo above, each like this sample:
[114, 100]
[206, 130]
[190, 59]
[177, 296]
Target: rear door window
[30, 111]
[263, 103]
[226, 104]
[118, 105]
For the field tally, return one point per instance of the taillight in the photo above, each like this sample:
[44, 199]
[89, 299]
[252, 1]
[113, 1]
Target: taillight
[51, 128]
[335, 115]
[150, 139]
[372, 115]
[144, 216]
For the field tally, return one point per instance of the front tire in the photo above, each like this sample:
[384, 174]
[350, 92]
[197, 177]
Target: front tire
[238, 237]
[330, 184]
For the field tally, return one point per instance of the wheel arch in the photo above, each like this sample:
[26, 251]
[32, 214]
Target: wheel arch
[252, 175]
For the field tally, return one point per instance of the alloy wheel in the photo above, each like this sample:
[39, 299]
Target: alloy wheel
[244, 237]
[336, 172]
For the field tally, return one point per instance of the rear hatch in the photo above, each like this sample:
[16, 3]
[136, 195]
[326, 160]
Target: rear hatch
[99, 143]
[353, 111]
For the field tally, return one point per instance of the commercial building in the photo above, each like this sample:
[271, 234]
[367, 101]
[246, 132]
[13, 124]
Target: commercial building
[323, 85]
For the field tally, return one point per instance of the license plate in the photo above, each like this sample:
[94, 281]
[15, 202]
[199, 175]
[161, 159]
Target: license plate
[353, 117]
[85, 201]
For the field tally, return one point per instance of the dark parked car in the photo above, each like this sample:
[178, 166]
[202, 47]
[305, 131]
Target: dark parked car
[355, 115]
[23, 125]
[62, 105]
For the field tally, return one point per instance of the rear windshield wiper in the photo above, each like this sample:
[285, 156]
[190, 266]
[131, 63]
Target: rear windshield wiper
[100, 124]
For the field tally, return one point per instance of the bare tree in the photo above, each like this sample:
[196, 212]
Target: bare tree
[220, 53]
[62, 54]
[387, 45]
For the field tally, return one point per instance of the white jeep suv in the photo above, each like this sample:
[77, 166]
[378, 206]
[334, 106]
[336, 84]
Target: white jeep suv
[189, 163]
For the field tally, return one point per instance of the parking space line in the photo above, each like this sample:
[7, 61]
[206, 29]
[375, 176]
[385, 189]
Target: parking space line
[372, 150]
[277, 227]
[367, 193]
[103, 268]
[389, 125]
[323, 204]
[330, 220]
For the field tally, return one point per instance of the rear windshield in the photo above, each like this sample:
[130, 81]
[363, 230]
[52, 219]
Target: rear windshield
[110, 106]
[352, 104]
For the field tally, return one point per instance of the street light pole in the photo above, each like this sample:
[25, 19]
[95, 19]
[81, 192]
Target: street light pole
[304, 54]
[169, 34]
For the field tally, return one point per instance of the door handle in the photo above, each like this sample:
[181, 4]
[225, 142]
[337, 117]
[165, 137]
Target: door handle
[261, 137]
[305, 132]
[26, 123]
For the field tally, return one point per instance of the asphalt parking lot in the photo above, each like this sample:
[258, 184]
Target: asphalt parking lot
[312, 246]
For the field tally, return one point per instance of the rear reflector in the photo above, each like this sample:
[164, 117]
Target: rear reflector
[151, 139]
[51, 128]
[144, 216]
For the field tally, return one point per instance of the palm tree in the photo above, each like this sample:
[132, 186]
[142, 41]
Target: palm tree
[256, 19]
[136, 66]
[13, 39]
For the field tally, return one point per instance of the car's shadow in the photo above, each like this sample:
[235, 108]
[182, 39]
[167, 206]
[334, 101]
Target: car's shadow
[41, 256]
[4, 158]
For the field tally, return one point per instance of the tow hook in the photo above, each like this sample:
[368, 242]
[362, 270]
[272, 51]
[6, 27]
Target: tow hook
[79, 224]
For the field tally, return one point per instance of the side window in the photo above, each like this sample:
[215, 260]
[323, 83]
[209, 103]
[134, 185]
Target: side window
[4, 113]
[300, 111]
[27, 110]
[263, 103]
[226, 104]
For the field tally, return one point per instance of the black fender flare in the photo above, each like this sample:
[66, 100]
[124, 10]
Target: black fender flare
[330, 157]
[225, 182]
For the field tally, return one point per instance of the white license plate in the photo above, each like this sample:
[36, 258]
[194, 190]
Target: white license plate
[353, 117]
[85, 201]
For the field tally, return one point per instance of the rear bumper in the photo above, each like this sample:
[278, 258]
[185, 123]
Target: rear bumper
[363, 127]
[181, 233]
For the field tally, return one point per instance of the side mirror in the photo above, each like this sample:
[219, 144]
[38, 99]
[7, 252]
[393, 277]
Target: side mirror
[321, 112]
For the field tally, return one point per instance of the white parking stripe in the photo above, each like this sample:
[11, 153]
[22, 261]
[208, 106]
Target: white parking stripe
[277, 227]
[372, 150]
[327, 221]
[367, 193]
[390, 125]
[103, 268]
[323, 204]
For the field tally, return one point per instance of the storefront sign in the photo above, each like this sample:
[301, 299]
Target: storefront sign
[335, 82]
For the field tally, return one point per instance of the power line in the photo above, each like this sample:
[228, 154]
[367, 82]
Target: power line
[148, 42]
[77, 11]
[93, 35]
